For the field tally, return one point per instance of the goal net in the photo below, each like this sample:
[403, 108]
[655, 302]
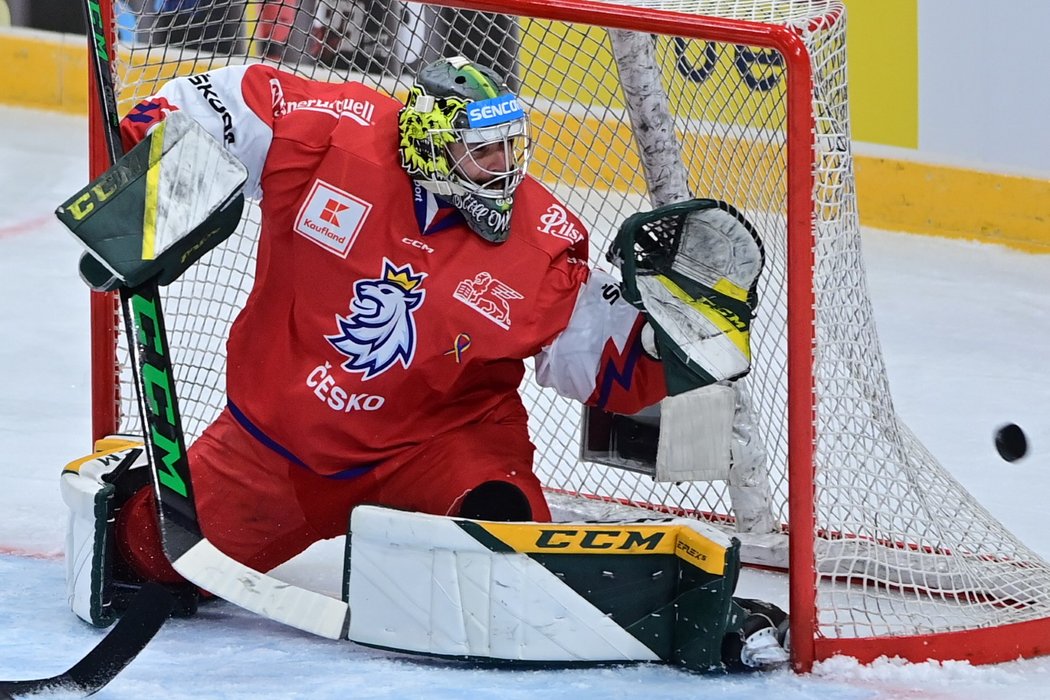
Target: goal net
[889, 554]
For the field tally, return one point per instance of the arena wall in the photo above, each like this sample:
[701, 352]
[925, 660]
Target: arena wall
[916, 169]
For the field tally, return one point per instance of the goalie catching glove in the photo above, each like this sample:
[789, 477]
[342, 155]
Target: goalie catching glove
[693, 268]
[159, 209]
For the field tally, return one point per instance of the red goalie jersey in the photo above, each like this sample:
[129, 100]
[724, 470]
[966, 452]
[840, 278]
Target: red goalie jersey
[378, 319]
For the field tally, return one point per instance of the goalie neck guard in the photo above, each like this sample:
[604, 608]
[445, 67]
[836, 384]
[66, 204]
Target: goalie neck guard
[465, 137]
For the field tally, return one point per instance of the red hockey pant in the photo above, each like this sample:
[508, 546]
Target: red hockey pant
[263, 509]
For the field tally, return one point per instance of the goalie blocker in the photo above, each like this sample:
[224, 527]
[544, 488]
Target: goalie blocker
[157, 210]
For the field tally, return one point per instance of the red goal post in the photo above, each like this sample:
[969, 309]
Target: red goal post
[888, 554]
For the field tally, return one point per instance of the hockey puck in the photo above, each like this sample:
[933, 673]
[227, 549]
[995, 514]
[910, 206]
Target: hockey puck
[1010, 442]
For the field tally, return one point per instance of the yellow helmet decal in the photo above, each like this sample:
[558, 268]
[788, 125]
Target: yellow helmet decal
[425, 129]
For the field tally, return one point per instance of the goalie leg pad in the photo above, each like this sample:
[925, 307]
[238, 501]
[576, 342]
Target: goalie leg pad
[541, 592]
[96, 489]
[89, 492]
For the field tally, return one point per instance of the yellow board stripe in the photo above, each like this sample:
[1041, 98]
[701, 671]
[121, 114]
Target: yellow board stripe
[628, 538]
[949, 202]
[42, 70]
[149, 215]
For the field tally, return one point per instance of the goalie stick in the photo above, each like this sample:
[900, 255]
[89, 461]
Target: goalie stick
[190, 553]
[649, 111]
[140, 622]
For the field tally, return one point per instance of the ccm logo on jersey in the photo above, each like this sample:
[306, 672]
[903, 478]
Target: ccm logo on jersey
[488, 296]
[332, 218]
[413, 243]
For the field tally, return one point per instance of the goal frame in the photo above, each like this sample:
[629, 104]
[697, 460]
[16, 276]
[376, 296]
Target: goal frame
[800, 182]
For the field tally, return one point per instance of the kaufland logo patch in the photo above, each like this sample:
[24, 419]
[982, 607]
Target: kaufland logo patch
[332, 218]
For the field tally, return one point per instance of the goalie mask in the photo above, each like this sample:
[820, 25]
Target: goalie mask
[465, 138]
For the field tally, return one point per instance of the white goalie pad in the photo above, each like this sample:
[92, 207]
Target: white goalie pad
[85, 541]
[420, 583]
[89, 495]
[453, 587]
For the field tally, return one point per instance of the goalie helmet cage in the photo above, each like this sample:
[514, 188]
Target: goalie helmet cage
[888, 553]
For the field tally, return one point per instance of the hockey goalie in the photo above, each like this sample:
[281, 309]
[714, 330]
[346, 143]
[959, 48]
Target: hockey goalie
[407, 267]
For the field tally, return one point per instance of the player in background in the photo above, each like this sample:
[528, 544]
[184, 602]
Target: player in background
[407, 267]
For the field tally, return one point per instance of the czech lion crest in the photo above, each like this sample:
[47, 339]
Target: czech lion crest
[380, 330]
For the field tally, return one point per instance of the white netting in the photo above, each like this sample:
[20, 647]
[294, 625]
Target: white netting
[902, 548]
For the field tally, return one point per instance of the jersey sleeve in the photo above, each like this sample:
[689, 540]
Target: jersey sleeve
[233, 104]
[598, 357]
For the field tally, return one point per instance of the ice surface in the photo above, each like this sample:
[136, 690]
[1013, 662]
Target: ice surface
[965, 329]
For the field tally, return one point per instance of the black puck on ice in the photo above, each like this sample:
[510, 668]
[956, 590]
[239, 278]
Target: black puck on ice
[1011, 442]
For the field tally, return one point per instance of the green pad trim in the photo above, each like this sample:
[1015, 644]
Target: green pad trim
[667, 585]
